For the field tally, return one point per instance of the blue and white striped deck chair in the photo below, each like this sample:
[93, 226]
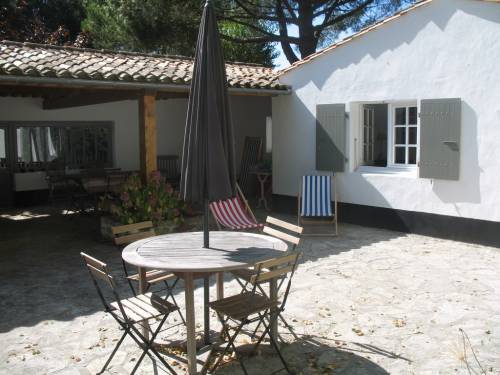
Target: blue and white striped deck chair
[315, 201]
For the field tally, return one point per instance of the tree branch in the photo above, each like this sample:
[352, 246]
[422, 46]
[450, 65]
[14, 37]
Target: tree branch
[342, 17]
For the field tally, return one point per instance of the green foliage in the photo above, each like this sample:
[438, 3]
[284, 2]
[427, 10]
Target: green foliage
[41, 21]
[162, 26]
[155, 201]
[258, 53]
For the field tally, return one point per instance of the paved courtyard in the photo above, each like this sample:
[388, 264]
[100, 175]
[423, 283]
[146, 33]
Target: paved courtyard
[367, 302]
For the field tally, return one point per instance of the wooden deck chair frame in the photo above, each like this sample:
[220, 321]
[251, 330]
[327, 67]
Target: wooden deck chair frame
[239, 192]
[301, 221]
[251, 154]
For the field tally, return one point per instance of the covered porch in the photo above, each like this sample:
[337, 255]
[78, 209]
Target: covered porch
[79, 109]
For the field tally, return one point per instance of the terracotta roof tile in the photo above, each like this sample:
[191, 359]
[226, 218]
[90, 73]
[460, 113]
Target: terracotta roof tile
[37, 60]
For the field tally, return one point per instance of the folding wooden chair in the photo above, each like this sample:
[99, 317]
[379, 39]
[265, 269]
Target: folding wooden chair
[249, 307]
[279, 229]
[234, 213]
[126, 234]
[130, 313]
[315, 202]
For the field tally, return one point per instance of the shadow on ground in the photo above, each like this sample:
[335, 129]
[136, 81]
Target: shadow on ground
[312, 355]
[39, 256]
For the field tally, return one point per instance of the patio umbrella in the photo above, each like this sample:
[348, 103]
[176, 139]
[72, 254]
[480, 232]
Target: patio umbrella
[208, 172]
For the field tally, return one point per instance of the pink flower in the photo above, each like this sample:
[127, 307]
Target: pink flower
[169, 189]
[125, 197]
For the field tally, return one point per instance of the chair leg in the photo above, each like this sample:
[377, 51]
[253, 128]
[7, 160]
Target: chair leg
[275, 345]
[288, 326]
[114, 352]
[229, 344]
[125, 271]
[170, 293]
[147, 345]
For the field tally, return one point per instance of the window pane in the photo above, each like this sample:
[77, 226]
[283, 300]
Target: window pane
[400, 137]
[412, 135]
[3, 149]
[412, 116]
[400, 116]
[31, 148]
[399, 155]
[412, 155]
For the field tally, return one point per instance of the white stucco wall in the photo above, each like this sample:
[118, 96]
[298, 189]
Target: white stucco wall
[249, 118]
[446, 49]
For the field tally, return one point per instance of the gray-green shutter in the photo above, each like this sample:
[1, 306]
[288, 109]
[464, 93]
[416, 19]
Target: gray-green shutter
[330, 137]
[440, 123]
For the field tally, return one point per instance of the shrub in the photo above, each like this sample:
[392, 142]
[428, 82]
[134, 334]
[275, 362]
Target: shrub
[136, 202]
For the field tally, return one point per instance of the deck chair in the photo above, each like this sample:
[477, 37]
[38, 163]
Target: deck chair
[168, 166]
[234, 213]
[126, 234]
[252, 153]
[285, 231]
[314, 202]
[131, 313]
[249, 307]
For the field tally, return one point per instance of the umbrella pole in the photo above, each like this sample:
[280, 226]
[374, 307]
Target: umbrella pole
[206, 281]
[206, 240]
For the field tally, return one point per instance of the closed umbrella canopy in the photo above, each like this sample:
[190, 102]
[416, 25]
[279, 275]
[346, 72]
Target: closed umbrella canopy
[208, 170]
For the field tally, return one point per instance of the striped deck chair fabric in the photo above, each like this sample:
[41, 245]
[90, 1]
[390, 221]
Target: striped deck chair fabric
[316, 196]
[231, 213]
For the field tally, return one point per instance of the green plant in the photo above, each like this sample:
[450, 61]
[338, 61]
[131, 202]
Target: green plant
[136, 202]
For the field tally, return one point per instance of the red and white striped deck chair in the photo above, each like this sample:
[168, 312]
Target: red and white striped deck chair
[234, 213]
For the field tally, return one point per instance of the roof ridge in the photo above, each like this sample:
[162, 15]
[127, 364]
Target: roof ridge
[355, 35]
[115, 52]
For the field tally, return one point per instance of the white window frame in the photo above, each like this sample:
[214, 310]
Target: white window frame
[391, 130]
[409, 170]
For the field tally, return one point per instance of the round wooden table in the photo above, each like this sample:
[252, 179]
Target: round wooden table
[184, 254]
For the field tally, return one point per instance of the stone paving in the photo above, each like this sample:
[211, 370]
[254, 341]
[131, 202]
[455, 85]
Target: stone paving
[367, 302]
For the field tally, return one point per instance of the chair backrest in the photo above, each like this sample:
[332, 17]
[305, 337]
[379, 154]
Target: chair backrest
[252, 152]
[283, 227]
[281, 267]
[125, 234]
[315, 196]
[168, 165]
[99, 273]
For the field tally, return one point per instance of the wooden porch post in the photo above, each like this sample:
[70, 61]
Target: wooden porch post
[147, 133]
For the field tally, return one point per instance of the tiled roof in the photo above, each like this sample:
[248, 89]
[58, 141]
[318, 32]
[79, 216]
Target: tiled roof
[39, 60]
[376, 25]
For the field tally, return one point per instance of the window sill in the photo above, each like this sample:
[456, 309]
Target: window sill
[389, 171]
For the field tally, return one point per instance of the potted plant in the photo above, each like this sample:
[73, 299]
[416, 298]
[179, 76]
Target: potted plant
[136, 201]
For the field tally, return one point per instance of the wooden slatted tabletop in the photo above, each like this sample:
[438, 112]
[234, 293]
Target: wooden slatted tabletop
[184, 252]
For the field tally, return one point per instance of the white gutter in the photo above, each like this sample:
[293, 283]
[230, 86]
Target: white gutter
[162, 87]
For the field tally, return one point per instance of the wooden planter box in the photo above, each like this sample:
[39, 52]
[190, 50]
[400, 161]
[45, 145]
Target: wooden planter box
[107, 222]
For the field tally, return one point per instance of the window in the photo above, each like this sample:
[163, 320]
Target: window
[405, 135]
[67, 146]
[374, 135]
[389, 135]
[269, 134]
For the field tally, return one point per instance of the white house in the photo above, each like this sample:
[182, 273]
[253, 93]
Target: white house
[407, 115]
